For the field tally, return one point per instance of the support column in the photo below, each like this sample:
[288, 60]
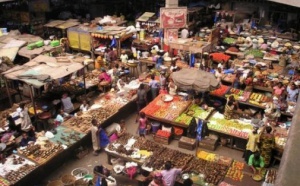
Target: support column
[171, 3]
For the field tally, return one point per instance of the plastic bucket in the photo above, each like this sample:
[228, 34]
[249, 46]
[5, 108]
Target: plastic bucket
[55, 183]
[155, 126]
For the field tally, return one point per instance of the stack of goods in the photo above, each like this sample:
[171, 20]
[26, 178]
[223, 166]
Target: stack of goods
[112, 101]
[184, 119]
[233, 49]
[41, 153]
[66, 136]
[235, 171]
[15, 168]
[166, 110]
[259, 99]
[220, 92]
[236, 128]
[199, 112]
[270, 177]
[239, 94]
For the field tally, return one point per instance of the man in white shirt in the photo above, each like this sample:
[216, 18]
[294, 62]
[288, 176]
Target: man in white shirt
[184, 33]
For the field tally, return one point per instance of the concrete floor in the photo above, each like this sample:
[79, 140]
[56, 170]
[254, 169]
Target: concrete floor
[89, 161]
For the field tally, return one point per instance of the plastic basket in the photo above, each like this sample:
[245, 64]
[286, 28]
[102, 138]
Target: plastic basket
[68, 180]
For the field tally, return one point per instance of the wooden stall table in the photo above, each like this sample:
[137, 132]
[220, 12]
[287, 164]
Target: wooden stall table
[237, 54]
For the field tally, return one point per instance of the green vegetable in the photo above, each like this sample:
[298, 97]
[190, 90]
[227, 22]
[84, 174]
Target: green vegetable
[229, 40]
[255, 53]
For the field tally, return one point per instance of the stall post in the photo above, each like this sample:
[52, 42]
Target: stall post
[84, 86]
[32, 100]
[7, 91]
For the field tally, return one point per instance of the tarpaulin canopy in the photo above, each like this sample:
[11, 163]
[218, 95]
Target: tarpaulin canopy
[193, 79]
[295, 3]
[41, 66]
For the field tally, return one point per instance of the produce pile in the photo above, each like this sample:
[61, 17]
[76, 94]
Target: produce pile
[220, 91]
[233, 49]
[215, 172]
[255, 52]
[199, 112]
[177, 158]
[163, 133]
[258, 99]
[207, 156]
[79, 123]
[220, 57]
[166, 110]
[41, 152]
[229, 41]
[235, 171]
[271, 176]
[15, 167]
[232, 127]
[184, 119]
[65, 136]
[239, 94]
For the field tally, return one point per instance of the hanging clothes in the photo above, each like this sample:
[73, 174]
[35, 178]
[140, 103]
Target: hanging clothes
[192, 62]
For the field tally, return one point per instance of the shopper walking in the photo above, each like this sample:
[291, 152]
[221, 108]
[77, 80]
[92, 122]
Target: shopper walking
[141, 100]
[142, 124]
[154, 85]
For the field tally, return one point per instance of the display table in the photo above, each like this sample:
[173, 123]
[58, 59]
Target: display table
[166, 111]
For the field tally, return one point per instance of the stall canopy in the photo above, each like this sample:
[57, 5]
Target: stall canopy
[37, 70]
[295, 3]
[194, 79]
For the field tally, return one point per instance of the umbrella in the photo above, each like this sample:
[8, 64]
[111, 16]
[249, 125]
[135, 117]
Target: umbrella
[193, 79]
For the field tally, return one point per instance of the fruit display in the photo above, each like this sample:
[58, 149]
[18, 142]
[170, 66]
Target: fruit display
[66, 136]
[220, 57]
[271, 176]
[258, 99]
[255, 52]
[40, 153]
[166, 110]
[236, 128]
[197, 165]
[184, 119]
[199, 112]
[235, 171]
[15, 168]
[221, 91]
[239, 94]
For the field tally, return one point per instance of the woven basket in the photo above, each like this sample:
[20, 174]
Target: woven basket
[68, 180]
[81, 182]
[55, 183]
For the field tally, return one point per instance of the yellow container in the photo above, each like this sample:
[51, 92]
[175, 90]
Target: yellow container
[142, 34]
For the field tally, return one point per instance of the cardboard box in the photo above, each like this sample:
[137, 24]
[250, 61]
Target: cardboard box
[208, 143]
[187, 143]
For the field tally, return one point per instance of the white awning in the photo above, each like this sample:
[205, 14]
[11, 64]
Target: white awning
[295, 3]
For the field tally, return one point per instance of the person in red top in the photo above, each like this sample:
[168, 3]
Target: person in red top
[278, 90]
[104, 77]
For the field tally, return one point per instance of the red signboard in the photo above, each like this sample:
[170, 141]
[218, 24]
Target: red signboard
[173, 17]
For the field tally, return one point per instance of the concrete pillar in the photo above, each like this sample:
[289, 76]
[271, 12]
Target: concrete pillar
[288, 174]
[171, 3]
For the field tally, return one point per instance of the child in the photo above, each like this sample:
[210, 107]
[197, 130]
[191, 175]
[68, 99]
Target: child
[142, 124]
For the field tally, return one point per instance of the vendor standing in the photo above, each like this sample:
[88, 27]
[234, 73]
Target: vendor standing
[292, 93]
[154, 85]
[26, 125]
[95, 137]
[252, 144]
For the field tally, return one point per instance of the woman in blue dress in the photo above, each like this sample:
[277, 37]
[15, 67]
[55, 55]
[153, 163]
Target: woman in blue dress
[103, 138]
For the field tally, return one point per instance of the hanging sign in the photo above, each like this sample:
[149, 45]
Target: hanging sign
[173, 17]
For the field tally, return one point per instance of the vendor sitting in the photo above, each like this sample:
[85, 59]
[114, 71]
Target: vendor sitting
[84, 106]
[119, 130]
[256, 162]
[61, 116]
[104, 79]
[26, 140]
